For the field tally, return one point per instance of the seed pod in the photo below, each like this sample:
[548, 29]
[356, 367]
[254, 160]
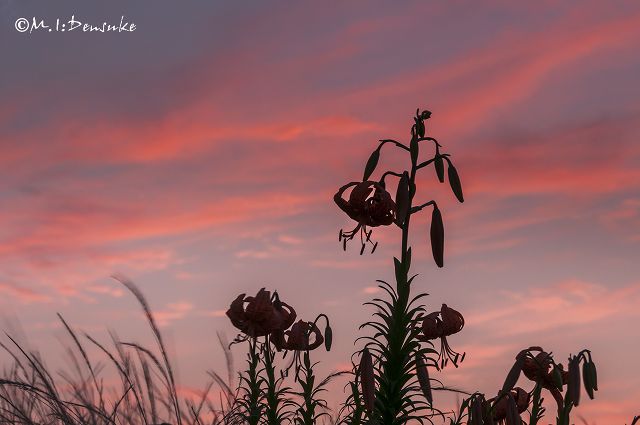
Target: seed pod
[587, 379]
[372, 162]
[437, 236]
[328, 337]
[573, 386]
[476, 411]
[439, 165]
[423, 378]
[513, 375]
[513, 417]
[414, 148]
[425, 115]
[402, 199]
[454, 181]
[367, 380]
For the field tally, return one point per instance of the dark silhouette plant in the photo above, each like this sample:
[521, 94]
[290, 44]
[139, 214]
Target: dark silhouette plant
[269, 325]
[393, 371]
[391, 382]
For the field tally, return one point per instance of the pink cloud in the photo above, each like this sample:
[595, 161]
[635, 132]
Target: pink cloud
[587, 302]
[173, 311]
[24, 295]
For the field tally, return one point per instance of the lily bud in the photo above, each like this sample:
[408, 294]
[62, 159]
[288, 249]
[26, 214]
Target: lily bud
[557, 378]
[589, 377]
[328, 337]
[454, 181]
[414, 148]
[437, 237]
[402, 199]
[476, 411]
[573, 386]
[423, 378]
[372, 163]
[513, 375]
[513, 417]
[439, 165]
[367, 380]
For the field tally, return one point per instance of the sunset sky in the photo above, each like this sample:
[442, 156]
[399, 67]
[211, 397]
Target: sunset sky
[199, 156]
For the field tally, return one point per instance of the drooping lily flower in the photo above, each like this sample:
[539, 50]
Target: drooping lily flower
[298, 340]
[441, 324]
[262, 315]
[541, 369]
[370, 205]
[298, 337]
[502, 405]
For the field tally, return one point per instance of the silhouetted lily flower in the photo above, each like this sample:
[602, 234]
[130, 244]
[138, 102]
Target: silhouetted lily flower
[370, 205]
[299, 340]
[262, 314]
[441, 324]
[298, 337]
[509, 406]
[552, 377]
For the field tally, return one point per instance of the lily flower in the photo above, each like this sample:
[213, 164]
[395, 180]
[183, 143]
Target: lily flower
[441, 324]
[262, 315]
[501, 404]
[541, 369]
[370, 205]
[297, 339]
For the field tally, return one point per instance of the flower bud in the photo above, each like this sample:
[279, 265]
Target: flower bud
[423, 378]
[513, 417]
[439, 165]
[573, 386]
[476, 411]
[437, 236]
[372, 162]
[367, 379]
[328, 337]
[402, 199]
[513, 375]
[454, 181]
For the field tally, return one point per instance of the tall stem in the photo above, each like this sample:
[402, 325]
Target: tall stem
[255, 408]
[392, 400]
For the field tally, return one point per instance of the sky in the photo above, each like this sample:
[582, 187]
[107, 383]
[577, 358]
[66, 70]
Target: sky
[199, 154]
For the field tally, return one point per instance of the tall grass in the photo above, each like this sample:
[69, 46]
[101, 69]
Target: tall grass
[147, 392]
